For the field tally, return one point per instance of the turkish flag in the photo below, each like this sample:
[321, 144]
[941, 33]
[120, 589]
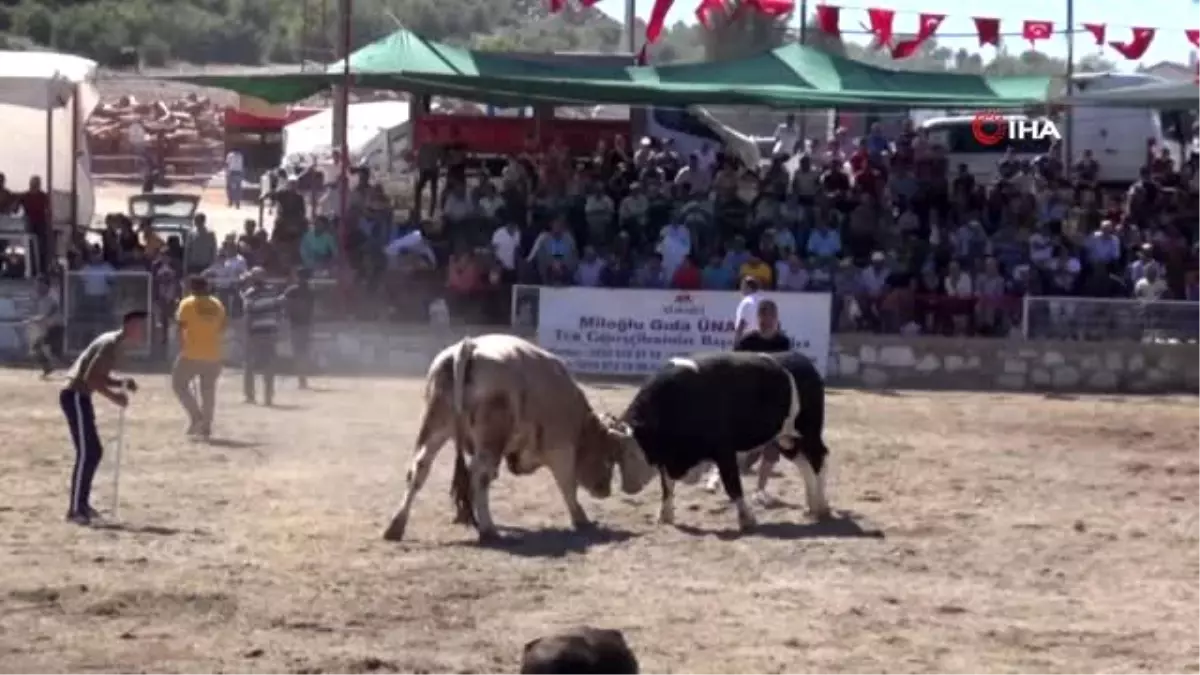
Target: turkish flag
[772, 8]
[929, 26]
[1037, 30]
[988, 30]
[1097, 30]
[1137, 46]
[828, 18]
[658, 17]
[707, 7]
[557, 6]
[881, 25]
[588, 3]
[1193, 37]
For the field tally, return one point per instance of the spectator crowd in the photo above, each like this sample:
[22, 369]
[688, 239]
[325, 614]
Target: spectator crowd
[906, 242]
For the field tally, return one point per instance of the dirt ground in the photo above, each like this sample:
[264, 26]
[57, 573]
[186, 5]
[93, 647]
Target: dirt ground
[979, 533]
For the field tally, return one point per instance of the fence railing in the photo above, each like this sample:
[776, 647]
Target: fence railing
[1113, 319]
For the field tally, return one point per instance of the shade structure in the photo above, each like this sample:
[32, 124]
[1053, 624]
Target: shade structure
[790, 77]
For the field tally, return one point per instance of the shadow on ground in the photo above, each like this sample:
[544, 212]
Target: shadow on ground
[552, 542]
[843, 525]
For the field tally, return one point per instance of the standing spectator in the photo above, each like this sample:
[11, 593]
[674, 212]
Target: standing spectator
[96, 278]
[318, 247]
[786, 137]
[674, 244]
[36, 205]
[201, 319]
[745, 318]
[201, 250]
[235, 174]
[47, 325]
[298, 306]
[428, 169]
[506, 245]
[262, 334]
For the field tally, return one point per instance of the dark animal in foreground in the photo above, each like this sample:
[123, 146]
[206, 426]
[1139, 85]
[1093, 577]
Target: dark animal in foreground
[582, 650]
[711, 407]
[503, 398]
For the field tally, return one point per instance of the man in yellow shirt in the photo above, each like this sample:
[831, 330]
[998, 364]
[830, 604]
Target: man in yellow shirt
[201, 319]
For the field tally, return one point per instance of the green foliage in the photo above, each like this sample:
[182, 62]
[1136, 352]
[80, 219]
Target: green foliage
[292, 31]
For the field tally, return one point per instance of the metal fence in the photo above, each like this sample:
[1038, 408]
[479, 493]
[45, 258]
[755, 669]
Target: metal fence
[1115, 319]
[95, 300]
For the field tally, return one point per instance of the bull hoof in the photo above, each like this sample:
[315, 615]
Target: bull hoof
[666, 518]
[584, 526]
[822, 515]
[394, 532]
[489, 537]
[747, 524]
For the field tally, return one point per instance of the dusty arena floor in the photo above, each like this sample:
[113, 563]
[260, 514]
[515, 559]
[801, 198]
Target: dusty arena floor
[983, 533]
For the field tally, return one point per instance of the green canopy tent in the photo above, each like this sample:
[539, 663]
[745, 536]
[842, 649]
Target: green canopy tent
[792, 76]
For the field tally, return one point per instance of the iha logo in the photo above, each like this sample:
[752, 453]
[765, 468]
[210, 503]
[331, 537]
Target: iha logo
[990, 128]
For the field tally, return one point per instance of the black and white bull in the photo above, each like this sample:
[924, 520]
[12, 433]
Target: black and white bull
[710, 407]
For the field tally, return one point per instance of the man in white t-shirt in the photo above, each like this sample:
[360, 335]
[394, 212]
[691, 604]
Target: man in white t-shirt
[506, 242]
[746, 318]
[786, 136]
[674, 244]
[235, 172]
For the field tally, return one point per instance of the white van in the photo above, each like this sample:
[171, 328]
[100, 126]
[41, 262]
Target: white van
[692, 129]
[1116, 136]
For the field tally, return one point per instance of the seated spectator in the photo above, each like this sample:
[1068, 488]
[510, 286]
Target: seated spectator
[716, 275]
[959, 305]
[759, 270]
[790, 273]
[687, 275]
[618, 270]
[873, 286]
[990, 299]
[650, 274]
[554, 245]
[823, 241]
[464, 278]
[590, 272]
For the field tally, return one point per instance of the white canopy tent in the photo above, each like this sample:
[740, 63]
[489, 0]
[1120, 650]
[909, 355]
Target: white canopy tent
[311, 139]
[45, 98]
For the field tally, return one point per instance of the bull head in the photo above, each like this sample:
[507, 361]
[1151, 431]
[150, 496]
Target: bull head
[636, 472]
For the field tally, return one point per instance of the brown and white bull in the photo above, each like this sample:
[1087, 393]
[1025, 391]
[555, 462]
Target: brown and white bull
[503, 398]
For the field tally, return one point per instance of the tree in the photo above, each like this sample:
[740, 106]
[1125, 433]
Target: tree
[742, 31]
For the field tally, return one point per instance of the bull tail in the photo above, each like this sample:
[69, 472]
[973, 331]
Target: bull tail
[460, 485]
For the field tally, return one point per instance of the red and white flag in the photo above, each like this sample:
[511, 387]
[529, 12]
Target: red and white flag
[1037, 30]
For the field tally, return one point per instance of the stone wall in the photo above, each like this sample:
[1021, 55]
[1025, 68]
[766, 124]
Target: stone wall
[893, 362]
[870, 361]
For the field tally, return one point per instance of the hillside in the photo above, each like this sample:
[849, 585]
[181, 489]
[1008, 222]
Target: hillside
[155, 33]
[287, 31]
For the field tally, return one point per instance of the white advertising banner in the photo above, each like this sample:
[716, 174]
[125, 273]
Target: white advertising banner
[605, 331]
